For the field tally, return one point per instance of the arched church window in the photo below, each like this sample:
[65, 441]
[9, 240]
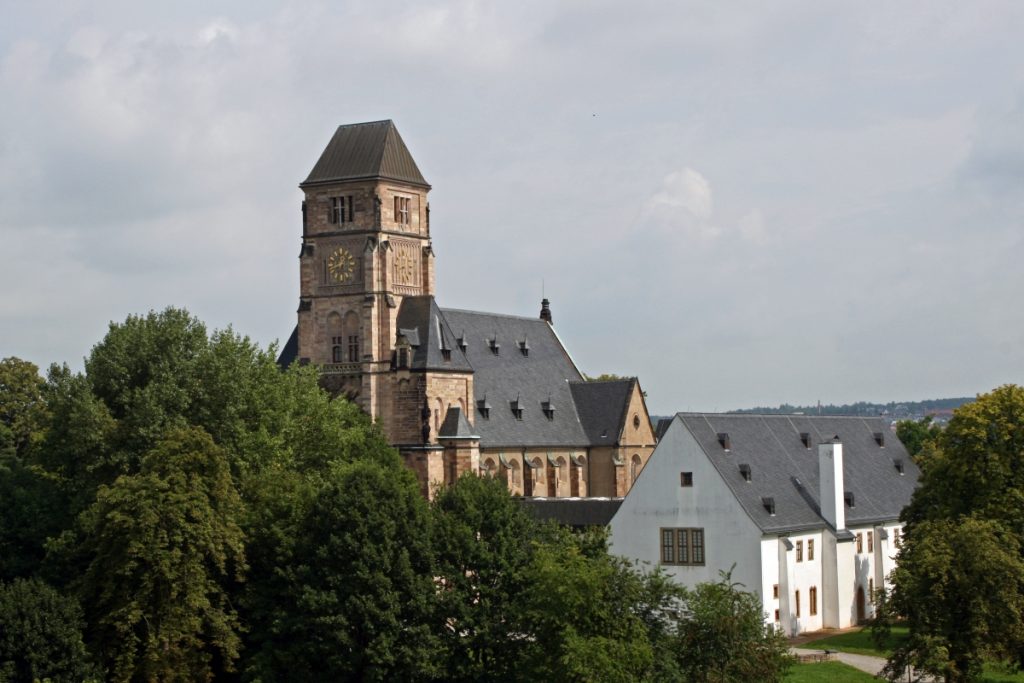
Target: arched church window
[635, 467]
[336, 332]
[352, 336]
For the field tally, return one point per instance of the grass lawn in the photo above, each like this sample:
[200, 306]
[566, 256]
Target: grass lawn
[859, 642]
[993, 676]
[827, 672]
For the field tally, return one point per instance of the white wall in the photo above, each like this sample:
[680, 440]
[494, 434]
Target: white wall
[658, 501]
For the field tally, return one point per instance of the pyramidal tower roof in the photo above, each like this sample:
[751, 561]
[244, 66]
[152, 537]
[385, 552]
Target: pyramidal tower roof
[361, 151]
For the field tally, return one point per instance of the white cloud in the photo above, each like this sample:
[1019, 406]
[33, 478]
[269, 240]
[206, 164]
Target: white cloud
[702, 185]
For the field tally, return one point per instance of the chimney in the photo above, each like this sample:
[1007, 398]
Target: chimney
[830, 481]
[545, 311]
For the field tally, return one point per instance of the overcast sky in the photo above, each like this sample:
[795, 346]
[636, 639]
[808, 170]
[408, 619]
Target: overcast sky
[741, 203]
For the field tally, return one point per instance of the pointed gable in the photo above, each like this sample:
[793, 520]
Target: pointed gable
[602, 407]
[362, 151]
[435, 346]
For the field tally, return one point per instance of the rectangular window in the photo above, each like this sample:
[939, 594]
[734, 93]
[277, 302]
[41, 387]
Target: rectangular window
[668, 546]
[341, 210]
[871, 541]
[682, 546]
[860, 543]
[871, 589]
[810, 550]
[813, 597]
[776, 615]
[353, 348]
[402, 210]
[686, 478]
[775, 591]
[797, 603]
[799, 551]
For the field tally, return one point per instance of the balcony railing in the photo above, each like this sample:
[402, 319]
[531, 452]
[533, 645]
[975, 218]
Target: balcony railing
[341, 368]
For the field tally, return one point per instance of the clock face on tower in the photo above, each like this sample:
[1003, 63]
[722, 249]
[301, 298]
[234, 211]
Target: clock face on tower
[341, 266]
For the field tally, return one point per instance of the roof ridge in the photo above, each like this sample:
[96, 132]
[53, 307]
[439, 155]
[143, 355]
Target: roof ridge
[780, 415]
[498, 315]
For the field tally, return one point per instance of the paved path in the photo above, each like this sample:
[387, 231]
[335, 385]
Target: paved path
[872, 665]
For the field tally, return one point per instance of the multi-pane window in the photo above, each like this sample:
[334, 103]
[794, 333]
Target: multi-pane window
[871, 541]
[353, 348]
[810, 549]
[336, 350]
[860, 543]
[341, 210]
[682, 546]
[402, 210]
[813, 598]
[799, 551]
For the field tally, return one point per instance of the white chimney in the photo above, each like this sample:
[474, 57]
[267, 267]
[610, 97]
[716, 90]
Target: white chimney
[830, 482]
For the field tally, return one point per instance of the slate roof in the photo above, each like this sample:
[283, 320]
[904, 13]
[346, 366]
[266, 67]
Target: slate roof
[290, 350]
[573, 512]
[363, 151]
[782, 468]
[602, 408]
[456, 426]
[543, 375]
[427, 330]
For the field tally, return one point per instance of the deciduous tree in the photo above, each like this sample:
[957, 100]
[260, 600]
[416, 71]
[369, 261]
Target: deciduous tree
[960, 579]
[164, 549]
[41, 635]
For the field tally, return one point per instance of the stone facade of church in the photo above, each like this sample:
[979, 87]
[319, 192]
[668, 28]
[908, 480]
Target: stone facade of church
[455, 391]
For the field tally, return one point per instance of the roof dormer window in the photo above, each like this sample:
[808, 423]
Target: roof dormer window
[517, 408]
[745, 471]
[484, 408]
[549, 409]
[494, 346]
[724, 441]
[524, 347]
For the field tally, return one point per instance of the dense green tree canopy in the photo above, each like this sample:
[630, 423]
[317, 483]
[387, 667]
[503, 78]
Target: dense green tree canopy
[23, 411]
[960, 579]
[164, 550]
[915, 435]
[41, 636]
[355, 601]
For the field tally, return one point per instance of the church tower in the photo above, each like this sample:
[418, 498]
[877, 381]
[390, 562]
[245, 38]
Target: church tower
[365, 247]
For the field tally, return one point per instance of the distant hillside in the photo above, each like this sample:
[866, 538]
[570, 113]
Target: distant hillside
[897, 410]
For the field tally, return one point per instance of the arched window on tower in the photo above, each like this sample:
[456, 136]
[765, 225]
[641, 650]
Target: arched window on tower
[352, 336]
[336, 333]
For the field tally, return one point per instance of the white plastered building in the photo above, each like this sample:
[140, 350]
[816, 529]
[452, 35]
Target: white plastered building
[803, 510]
